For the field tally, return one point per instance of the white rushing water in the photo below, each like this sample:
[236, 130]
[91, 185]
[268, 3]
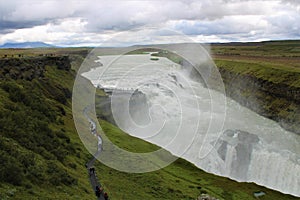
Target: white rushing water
[174, 107]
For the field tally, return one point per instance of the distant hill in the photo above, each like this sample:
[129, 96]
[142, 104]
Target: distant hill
[26, 45]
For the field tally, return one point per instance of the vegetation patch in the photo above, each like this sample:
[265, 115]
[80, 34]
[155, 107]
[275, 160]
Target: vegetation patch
[153, 58]
[39, 148]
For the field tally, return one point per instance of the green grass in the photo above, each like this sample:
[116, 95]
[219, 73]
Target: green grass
[155, 59]
[39, 52]
[270, 72]
[271, 48]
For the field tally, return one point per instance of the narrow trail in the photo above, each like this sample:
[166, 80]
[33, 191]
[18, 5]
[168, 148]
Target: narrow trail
[89, 165]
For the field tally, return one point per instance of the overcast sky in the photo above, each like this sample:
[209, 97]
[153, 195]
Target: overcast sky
[110, 23]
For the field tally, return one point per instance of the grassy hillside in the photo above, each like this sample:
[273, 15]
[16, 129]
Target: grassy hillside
[40, 152]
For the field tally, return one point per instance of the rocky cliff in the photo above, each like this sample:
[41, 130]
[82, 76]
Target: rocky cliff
[277, 101]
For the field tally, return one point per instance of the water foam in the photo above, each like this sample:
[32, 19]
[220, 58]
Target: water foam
[251, 147]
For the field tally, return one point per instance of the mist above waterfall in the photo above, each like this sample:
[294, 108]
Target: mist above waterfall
[169, 105]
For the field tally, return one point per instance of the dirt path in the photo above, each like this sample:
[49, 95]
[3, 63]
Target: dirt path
[92, 175]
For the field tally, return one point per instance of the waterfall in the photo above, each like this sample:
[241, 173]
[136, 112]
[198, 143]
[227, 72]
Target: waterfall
[248, 148]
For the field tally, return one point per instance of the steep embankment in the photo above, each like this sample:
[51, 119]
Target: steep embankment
[263, 76]
[41, 154]
[269, 90]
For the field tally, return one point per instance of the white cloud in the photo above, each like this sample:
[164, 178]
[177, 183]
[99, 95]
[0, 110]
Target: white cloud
[51, 33]
[90, 21]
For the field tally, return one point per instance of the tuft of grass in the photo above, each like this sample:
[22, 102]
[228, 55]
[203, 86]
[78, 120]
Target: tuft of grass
[153, 58]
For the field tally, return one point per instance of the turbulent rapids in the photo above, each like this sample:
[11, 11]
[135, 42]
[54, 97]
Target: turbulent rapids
[158, 101]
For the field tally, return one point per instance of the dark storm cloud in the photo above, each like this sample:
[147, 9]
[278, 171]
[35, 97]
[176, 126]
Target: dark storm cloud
[10, 26]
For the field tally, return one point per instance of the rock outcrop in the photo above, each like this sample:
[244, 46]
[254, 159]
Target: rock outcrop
[277, 101]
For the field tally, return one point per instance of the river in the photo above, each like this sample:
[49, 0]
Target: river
[175, 112]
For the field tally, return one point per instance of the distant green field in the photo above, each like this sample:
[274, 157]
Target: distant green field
[272, 48]
[16, 53]
[280, 54]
